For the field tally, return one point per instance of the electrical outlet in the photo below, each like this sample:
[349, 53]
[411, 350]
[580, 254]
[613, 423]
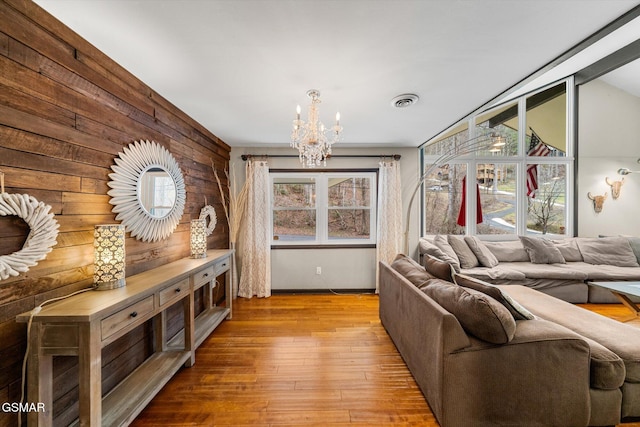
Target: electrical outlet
[318, 270]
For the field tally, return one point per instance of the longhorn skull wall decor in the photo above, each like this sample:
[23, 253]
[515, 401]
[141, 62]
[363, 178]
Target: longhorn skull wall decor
[598, 201]
[616, 186]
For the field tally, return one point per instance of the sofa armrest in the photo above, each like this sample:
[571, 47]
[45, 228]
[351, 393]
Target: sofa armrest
[421, 330]
[541, 376]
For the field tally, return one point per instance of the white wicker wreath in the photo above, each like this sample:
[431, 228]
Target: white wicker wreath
[210, 213]
[41, 238]
[136, 159]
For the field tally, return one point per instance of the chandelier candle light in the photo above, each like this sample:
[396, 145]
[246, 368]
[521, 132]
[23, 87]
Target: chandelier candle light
[311, 138]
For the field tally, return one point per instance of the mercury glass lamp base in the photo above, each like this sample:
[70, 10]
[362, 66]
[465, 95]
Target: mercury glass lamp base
[113, 284]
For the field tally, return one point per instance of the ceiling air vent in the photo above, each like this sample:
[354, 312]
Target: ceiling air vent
[404, 101]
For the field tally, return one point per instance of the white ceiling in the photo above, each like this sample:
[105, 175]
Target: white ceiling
[625, 78]
[240, 67]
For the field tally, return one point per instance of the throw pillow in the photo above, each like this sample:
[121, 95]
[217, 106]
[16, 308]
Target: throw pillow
[569, 249]
[442, 243]
[508, 251]
[607, 251]
[411, 270]
[634, 242]
[465, 254]
[484, 255]
[517, 311]
[479, 314]
[438, 268]
[428, 248]
[542, 251]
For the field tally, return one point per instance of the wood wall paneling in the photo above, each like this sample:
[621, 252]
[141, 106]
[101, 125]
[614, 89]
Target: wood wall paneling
[66, 111]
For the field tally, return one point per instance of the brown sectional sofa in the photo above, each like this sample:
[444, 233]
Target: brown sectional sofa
[544, 363]
[560, 268]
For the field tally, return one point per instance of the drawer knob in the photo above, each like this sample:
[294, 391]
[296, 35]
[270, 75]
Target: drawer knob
[134, 314]
[178, 290]
[205, 275]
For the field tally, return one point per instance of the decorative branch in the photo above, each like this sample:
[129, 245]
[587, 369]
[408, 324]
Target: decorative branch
[233, 202]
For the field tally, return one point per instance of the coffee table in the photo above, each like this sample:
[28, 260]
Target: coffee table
[623, 290]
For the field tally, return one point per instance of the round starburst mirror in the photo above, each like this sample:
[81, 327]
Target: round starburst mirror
[147, 191]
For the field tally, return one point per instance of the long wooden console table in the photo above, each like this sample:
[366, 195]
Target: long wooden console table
[83, 324]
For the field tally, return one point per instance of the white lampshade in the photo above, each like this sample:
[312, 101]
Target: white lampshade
[109, 256]
[198, 238]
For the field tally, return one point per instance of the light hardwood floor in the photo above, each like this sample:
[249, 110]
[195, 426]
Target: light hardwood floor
[297, 360]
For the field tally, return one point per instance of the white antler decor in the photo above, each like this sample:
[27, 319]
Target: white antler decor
[41, 238]
[598, 201]
[616, 186]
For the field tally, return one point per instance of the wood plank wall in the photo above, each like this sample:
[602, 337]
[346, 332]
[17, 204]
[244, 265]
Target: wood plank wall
[66, 111]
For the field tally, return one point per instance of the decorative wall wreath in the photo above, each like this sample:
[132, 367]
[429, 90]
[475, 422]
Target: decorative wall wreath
[41, 238]
[208, 213]
[136, 159]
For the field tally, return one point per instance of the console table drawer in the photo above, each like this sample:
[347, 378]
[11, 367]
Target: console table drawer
[203, 277]
[174, 292]
[126, 317]
[221, 266]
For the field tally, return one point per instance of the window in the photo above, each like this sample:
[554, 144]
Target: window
[443, 199]
[323, 208]
[294, 208]
[497, 194]
[519, 187]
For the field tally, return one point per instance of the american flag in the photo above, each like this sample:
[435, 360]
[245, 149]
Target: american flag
[539, 149]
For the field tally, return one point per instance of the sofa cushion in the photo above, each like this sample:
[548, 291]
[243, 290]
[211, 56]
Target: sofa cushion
[465, 254]
[479, 314]
[621, 338]
[499, 272]
[484, 255]
[411, 270]
[517, 311]
[438, 268]
[569, 249]
[508, 251]
[541, 251]
[547, 271]
[607, 272]
[442, 243]
[630, 400]
[607, 251]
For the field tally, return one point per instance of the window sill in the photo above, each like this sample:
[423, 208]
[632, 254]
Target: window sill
[326, 246]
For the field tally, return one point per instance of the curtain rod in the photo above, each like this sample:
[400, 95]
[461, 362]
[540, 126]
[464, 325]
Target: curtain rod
[246, 157]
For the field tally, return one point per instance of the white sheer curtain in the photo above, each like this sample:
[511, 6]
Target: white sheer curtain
[255, 277]
[389, 233]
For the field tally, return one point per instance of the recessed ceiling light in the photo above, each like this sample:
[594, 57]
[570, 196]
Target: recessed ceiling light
[404, 100]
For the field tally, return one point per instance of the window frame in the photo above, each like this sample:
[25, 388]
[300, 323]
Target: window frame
[322, 207]
[521, 159]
